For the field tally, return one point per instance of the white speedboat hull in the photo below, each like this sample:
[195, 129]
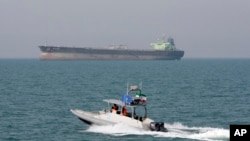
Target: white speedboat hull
[110, 118]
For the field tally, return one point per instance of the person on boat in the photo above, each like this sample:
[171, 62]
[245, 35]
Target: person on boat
[114, 108]
[124, 111]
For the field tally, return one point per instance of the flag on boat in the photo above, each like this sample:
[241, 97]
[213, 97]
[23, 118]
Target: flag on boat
[142, 97]
[126, 99]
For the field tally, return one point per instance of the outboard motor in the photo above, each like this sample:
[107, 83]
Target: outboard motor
[158, 126]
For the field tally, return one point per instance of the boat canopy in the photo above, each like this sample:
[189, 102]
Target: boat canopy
[118, 102]
[138, 99]
[114, 101]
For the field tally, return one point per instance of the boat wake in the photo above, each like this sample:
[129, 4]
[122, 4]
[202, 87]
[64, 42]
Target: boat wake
[176, 130]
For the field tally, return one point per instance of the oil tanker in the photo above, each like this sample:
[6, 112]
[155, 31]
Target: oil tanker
[163, 50]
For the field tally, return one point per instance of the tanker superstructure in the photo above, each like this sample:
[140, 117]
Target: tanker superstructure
[163, 50]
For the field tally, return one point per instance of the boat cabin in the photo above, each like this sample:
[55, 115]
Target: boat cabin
[134, 107]
[133, 111]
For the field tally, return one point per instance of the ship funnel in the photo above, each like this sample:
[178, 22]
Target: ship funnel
[171, 41]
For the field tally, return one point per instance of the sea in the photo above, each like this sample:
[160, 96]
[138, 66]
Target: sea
[197, 99]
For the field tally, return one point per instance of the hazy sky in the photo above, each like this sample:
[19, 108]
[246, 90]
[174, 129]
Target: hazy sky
[202, 28]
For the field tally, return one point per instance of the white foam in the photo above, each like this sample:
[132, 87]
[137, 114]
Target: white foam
[176, 130]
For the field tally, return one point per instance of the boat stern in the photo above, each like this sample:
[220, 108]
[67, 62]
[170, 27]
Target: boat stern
[158, 126]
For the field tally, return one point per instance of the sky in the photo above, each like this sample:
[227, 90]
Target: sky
[202, 28]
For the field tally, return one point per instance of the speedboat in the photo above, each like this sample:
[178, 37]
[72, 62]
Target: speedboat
[129, 110]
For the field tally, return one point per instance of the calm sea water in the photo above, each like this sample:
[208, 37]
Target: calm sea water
[197, 99]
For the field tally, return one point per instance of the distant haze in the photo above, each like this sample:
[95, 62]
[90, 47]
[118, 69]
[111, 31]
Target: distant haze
[202, 28]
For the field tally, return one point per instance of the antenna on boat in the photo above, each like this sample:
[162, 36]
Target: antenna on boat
[140, 85]
[127, 88]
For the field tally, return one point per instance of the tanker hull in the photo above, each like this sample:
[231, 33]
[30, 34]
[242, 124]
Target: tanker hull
[68, 53]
